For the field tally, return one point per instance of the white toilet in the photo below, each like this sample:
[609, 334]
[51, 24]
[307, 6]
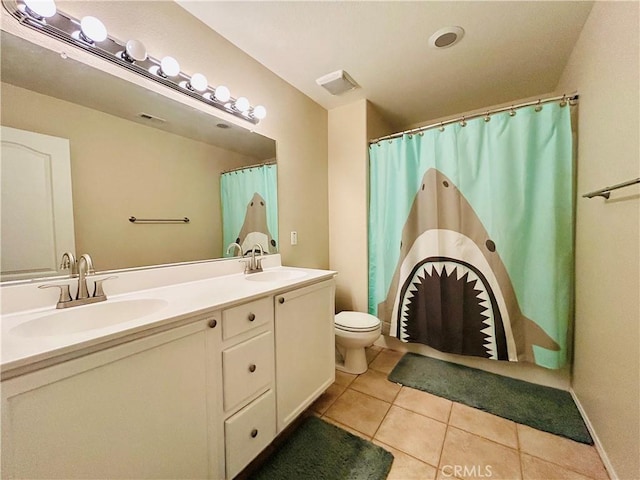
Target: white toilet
[354, 332]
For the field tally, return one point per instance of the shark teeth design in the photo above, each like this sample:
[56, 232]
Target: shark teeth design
[451, 268]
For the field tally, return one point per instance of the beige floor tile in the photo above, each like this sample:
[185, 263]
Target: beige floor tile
[575, 456]
[535, 469]
[386, 360]
[405, 467]
[358, 411]
[344, 379]
[469, 456]
[375, 383]
[419, 436]
[484, 424]
[346, 428]
[424, 403]
[322, 404]
[372, 352]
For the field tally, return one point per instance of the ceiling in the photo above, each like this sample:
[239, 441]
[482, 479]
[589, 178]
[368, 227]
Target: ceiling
[510, 50]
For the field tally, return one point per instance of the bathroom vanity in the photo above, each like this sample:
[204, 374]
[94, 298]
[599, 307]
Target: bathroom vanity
[194, 384]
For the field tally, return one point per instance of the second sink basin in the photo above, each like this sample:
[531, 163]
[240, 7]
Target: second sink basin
[88, 317]
[275, 275]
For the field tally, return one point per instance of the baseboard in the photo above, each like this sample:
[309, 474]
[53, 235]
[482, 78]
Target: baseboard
[603, 454]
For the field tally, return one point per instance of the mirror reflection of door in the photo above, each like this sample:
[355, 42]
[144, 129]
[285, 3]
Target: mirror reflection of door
[36, 205]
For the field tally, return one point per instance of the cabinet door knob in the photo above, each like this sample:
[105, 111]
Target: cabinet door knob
[252, 368]
[281, 300]
[251, 317]
[212, 323]
[254, 433]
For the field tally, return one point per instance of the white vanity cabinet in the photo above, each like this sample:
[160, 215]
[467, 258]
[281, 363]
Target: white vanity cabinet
[248, 406]
[137, 410]
[199, 398]
[305, 352]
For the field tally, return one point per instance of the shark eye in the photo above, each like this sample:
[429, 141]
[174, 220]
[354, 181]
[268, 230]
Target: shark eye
[273, 242]
[252, 204]
[491, 246]
[445, 183]
[401, 245]
[422, 187]
[262, 203]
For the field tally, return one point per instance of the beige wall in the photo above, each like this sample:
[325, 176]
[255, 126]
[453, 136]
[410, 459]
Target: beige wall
[348, 204]
[120, 168]
[298, 124]
[350, 128]
[604, 69]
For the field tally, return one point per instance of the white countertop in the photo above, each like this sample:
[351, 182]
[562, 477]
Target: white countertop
[21, 353]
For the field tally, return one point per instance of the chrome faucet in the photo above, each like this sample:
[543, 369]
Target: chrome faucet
[253, 264]
[237, 246]
[83, 292]
[84, 267]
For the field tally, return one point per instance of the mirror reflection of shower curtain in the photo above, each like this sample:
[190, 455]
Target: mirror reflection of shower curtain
[249, 202]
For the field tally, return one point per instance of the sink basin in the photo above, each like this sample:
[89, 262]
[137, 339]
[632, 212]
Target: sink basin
[275, 275]
[88, 317]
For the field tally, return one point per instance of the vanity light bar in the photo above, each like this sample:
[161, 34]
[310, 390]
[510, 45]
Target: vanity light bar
[132, 55]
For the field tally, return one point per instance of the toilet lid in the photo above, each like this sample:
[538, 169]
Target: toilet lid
[356, 321]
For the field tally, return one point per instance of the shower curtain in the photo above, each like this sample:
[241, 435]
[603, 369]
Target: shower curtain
[249, 202]
[471, 236]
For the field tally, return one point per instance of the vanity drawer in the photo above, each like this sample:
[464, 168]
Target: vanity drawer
[248, 432]
[244, 317]
[246, 368]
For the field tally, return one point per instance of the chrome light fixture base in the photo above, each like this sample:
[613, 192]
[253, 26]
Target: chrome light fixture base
[127, 55]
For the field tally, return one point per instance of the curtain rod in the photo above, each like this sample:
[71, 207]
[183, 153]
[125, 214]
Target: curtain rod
[564, 99]
[273, 162]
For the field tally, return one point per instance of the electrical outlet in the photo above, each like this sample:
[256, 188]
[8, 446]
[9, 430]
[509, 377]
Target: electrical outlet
[294, 238]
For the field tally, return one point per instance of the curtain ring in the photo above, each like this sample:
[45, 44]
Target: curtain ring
[463, 123]
[563, 102]
[421, 134]
[538, 106]
[512, 112]
[441, 127]
[487, 118]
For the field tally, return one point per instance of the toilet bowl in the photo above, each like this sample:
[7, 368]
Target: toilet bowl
[354, 332]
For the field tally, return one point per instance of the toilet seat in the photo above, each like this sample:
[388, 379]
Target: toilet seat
[356, 322]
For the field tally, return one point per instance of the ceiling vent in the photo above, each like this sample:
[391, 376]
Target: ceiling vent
[151, 118]
[446, 37]
[337, 82]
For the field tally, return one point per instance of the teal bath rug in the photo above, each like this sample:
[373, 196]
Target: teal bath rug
[318, 450]
[544, 408]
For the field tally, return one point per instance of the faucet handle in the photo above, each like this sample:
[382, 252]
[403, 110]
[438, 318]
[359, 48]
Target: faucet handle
[65, 294]
[98, 291]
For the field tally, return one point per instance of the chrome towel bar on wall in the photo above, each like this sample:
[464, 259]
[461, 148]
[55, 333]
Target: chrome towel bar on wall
[606, 192]
[133, 219]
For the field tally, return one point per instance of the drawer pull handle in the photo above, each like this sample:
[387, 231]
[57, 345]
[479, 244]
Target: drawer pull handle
[254, 433]
[252, 317]
[213, 323]
[281, 300]
[252, 368]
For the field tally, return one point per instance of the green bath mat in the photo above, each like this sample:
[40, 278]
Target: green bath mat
[544, 408]
[318, 450]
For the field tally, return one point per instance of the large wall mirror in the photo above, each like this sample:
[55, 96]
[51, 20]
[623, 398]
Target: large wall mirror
[131, 153]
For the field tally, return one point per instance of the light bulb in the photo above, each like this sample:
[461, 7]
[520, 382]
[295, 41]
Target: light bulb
[134, 51]
[222, 94]
[259, 112]
[198, 82]
[93, 29]
[169, 66]
[41, 8]
[242, 104]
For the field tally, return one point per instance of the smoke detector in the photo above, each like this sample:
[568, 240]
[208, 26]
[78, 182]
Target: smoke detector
[337, 83]
[446, 37]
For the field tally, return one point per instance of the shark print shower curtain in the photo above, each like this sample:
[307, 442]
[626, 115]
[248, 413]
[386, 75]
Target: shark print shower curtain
[249, 202]
[471, 236]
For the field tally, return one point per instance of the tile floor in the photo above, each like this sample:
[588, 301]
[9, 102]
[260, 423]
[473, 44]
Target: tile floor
[434, 438]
